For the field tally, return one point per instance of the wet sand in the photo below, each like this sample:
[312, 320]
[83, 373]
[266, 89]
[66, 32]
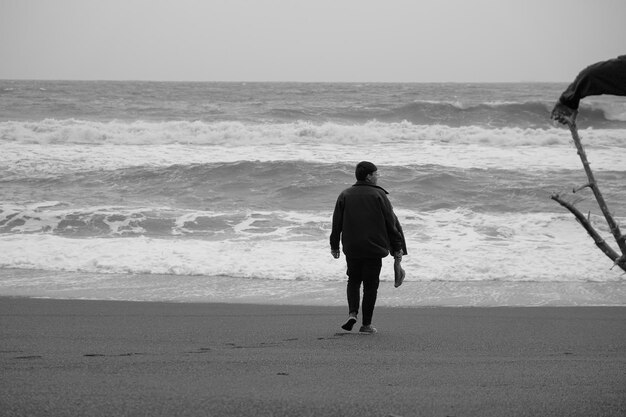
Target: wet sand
[103, 358]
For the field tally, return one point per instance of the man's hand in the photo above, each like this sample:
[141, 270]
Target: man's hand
[563, 114]
[335, 253]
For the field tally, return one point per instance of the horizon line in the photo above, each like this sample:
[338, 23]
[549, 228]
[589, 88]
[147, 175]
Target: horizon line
[280, 81]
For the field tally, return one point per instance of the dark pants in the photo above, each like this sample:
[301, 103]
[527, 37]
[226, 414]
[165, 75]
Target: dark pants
[364, 271]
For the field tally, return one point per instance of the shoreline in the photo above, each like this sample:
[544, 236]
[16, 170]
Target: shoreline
[224, 289]
[76, 357]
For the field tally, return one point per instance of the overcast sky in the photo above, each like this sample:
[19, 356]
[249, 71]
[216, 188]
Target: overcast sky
[308, 40]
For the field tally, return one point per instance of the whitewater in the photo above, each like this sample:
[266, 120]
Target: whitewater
[224, 191]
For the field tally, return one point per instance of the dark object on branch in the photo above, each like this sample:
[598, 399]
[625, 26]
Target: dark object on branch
[619, 260]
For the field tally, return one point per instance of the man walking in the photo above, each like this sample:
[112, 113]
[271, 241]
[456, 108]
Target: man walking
[368, 228]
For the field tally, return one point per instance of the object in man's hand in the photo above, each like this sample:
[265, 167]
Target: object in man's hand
[399, 273]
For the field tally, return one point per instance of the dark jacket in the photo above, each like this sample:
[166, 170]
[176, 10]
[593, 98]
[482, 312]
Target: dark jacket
[365, 222]
[606, 77]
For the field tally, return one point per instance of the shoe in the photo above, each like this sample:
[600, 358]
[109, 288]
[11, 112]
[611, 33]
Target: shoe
[367, 329]
[399, 273]
[349, 324]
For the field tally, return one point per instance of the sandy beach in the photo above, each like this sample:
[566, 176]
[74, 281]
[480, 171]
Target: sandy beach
[103, 358]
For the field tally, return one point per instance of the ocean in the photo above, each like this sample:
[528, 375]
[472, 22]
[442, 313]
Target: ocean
[187, 192]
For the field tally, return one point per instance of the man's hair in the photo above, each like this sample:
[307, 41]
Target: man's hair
[364, 168]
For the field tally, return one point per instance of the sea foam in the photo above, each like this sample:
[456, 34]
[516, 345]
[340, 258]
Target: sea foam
[444, 245]
[78, 146]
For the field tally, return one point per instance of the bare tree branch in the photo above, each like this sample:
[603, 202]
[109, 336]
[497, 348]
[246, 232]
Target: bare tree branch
[613, 226]
[582, 187]
[618, 259]
[586, 224]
